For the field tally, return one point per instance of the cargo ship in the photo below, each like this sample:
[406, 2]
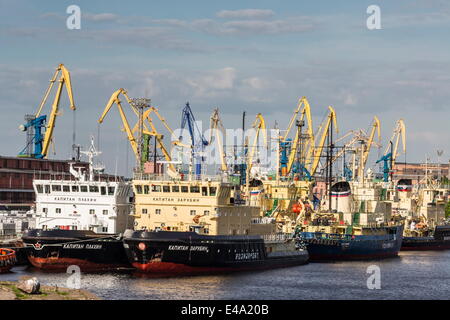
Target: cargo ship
[197, 227]
[80, 221]
[439, 239]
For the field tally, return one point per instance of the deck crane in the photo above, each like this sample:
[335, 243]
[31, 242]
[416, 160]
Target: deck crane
[42, 143]
[114, 99]
[198, 141]
[260, 126]
[307, 146]
[391, 153]
[325, 129]
[215, 127]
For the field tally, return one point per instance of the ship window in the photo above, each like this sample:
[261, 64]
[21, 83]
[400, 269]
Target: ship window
[139, 189]
[212, 191]
[193, 212]
[110, 191]
[83, 188]
[175, 188]
[105, 212]
[103, 190]
[184, 189]
[206, 230]
[146, 189]
[195, 189]
[66, 188]
[47, 188]
[58, 210]
[44, 210]
[206, 212]
[204, 191]
[104, 229]
[39, 188]
[166, 189]
[93, 189]
[157, 211]
[56, 187]
[156, 188]
[91, 211]
[144, 211]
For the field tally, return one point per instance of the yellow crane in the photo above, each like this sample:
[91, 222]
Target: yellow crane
[114, 99]
[258, 125]
[64, 79]
[375, 128]
[215, 127]
[304, 109]
[398, 134]
[325, 129]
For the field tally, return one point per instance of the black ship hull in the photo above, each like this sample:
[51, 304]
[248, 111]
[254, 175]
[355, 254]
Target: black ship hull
[56, 250]
[330, 247]
[188, 253]
[424, 243]
[439, 241]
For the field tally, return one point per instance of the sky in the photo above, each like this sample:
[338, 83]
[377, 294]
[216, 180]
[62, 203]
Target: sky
[253, 56]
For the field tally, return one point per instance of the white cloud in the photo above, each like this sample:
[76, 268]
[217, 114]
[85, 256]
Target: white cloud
[245, 14]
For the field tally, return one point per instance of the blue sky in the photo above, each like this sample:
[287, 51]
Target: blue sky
[257, 56]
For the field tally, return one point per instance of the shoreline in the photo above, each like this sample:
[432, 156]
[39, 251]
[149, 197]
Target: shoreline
[9, 291]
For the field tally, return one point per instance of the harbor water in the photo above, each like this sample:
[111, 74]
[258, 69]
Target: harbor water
[412, 275]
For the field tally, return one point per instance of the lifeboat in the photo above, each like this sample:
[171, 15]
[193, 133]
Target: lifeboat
[7, 259]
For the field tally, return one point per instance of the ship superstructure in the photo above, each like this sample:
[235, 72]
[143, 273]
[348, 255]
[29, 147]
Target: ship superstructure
[86, 202]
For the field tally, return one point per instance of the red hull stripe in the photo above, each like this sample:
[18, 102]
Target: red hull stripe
[424, 248]
[322, 257]
[61, 264]
[169, 268]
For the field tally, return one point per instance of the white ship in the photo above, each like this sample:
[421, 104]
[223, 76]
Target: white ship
[89, 201]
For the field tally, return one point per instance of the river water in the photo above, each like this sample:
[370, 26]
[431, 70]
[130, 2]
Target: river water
[412, 275]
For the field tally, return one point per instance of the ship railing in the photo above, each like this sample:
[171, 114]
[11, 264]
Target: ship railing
[277, 237]
[167, 177]
[263, 220]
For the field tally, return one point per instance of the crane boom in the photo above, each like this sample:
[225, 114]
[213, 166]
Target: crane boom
[258, 125]
[64, 79]
[305, 112]
[317, 152]
[215, 123]
[375, 128]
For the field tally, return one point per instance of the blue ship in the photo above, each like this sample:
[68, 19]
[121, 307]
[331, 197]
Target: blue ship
[385, 242]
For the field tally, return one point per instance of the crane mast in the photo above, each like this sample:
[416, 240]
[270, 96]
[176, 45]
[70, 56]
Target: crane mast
[215, 127]
[42, 142]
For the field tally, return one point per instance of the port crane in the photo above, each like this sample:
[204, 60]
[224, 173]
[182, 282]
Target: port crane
[367, 141]
[391, 153]
[302, 111]
[259, 126]
[215, 127]
[325, 128]
[198, 141]
[115, 99]
[42, 142]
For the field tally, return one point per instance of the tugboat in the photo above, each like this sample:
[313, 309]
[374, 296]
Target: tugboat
[332, 242]
[80, 221]
[198, 227]
[438, 239]
[7, 259]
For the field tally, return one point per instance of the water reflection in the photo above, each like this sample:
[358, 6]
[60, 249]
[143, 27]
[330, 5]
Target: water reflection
[414, 275]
